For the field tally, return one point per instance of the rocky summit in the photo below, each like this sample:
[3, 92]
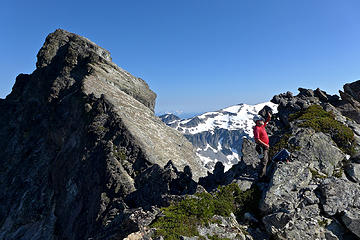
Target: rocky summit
[84, 157]
[81, 146]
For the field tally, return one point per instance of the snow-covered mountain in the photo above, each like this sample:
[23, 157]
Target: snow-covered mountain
[218, 135]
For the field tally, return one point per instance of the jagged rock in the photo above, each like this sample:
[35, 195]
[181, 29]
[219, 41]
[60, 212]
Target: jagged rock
[337, 229]
[79, 133]
[352, 221]
[353, 171]
[349, 105]
[223, 227]
[353, 89]
[292, 205]
[286, 182]
[339, 195]
[250, 161]
[303, 224]
[317, 149]
[355, 158]
[250, 218]
[244, 173]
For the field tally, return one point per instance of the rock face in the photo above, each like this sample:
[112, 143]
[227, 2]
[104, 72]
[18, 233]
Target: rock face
[79, 138]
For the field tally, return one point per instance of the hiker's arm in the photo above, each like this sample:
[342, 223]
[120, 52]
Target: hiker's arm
[262, 143]
[268, 118]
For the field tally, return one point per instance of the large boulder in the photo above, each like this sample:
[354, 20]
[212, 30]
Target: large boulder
[286, 182]
[353, 172]
[317, 149]
[340, 197]
[291, 205]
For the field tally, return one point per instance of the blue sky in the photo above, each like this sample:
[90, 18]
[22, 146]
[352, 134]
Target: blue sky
[198, 55]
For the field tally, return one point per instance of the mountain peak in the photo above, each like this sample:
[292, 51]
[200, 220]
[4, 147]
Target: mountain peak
[61, 42]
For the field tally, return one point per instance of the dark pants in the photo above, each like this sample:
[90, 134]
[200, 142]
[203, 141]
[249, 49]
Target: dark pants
[264, 160]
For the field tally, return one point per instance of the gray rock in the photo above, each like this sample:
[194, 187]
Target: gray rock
[304, 224]
[80, 133]
[352, 221]
[285, 185]
[317, 149]
[353, 171]
[353, 89]
[223, 227]
[339, 195]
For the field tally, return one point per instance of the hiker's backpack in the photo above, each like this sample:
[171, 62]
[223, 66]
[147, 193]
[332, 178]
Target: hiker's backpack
[282, 156]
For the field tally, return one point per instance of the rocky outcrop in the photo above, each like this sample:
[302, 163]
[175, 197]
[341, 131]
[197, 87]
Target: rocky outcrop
[81, 147]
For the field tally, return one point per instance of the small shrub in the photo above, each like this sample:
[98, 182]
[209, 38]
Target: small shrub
[323, 223]
[101, 129]
[338, 172]
[182, 218]
[216, 237]
[283, 143]
[316, 174]
[119, 154]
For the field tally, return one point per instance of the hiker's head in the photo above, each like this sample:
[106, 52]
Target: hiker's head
[259, 121]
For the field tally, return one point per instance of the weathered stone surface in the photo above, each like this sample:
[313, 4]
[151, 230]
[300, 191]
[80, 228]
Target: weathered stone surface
[79, 133]
[283, 194]
[339, 195]
[352, 221]
[353, 89]
[226, 227]
[317, 149]
[353, 171]
[303, 224]
[77, 52]
[349, 105]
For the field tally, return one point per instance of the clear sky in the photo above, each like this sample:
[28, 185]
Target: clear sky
[198, 55]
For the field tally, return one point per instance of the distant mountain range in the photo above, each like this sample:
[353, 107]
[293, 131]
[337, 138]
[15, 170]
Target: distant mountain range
[218, 136]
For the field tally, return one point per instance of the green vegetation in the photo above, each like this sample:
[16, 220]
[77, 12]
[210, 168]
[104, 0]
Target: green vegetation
[182, 218]
[119, 153]
[101, 129]
[323, 223]
[321, 121]
[283, 143]
[316, 174]
[217, 238]
[338, 172]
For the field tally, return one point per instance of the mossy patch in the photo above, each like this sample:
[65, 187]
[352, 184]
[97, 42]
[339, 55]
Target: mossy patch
[338, 172]
[283, 143]
[323, 223]
[318, 119]
[101, 129]
[182, 218]
[215, 237]
[316, 174]
[119, 153]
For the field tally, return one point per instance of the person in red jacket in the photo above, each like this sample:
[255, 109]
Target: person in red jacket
[262, 140]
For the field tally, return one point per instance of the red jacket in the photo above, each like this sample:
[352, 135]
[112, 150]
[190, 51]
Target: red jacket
[260, 133]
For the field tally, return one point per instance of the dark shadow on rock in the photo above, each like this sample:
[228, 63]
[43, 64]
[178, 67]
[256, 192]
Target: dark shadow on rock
[155, 182]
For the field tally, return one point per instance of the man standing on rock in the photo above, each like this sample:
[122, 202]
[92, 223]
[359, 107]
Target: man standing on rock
[262, 140]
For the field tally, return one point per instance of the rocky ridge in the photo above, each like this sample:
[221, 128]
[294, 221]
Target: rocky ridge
[79, 138]
[85, 158]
